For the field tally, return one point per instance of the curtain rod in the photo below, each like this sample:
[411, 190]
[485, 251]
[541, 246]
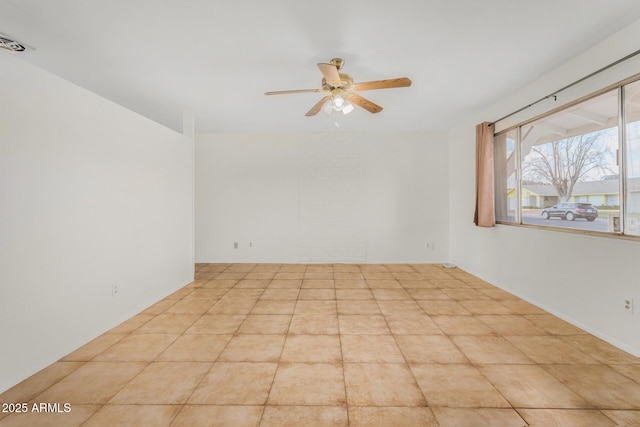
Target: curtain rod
[554, 94]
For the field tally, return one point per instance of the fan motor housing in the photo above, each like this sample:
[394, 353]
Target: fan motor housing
[345, 78]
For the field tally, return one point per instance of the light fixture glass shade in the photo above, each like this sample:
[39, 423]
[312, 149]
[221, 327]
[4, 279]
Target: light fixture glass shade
[338, 102]
[327, 107]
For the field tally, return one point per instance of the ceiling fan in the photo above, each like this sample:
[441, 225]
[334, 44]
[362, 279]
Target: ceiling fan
[341, 90]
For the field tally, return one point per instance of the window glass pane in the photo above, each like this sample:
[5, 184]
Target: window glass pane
[569, 167]
[505, 176]
[632, 184]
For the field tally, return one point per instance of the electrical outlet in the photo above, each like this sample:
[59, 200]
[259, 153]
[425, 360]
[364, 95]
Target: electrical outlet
[250, 244]
[430, 245]
[114, 290]
[628, 305]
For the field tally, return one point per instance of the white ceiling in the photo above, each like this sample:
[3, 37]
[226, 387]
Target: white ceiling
[161, 58]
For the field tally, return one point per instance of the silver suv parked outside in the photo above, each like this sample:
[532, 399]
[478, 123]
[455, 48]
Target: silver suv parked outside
[571, 211]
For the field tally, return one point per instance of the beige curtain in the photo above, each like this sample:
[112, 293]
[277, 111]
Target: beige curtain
[485, 201]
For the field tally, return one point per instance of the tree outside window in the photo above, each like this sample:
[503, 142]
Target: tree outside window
[563, 163]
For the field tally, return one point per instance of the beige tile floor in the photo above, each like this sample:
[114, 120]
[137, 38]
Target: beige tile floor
[338, 345]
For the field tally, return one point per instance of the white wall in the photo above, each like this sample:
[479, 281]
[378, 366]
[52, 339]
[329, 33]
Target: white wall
[321, 197]
[583, 279]
[91, 195]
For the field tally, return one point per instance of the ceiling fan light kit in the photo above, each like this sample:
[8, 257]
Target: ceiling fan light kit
[341, 90]
[337, 103]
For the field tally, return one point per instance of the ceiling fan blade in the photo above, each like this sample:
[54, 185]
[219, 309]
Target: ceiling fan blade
[363, 102]
[286, 92]
[331, 75]
[316, 108]
[382, 84]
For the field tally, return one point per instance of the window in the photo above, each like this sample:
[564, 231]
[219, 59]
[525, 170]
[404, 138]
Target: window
[505, 176]
[576, 168]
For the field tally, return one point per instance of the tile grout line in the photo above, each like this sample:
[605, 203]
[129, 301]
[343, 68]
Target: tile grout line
[344, 375]
[404, 356]
[185, 404]
[266, 402]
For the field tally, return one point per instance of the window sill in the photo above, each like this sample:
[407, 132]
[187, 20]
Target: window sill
[619, 236]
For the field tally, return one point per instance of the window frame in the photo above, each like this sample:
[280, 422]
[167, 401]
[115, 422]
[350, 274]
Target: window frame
[622, 159]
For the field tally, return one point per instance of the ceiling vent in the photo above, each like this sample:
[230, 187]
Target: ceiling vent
[12, 46]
